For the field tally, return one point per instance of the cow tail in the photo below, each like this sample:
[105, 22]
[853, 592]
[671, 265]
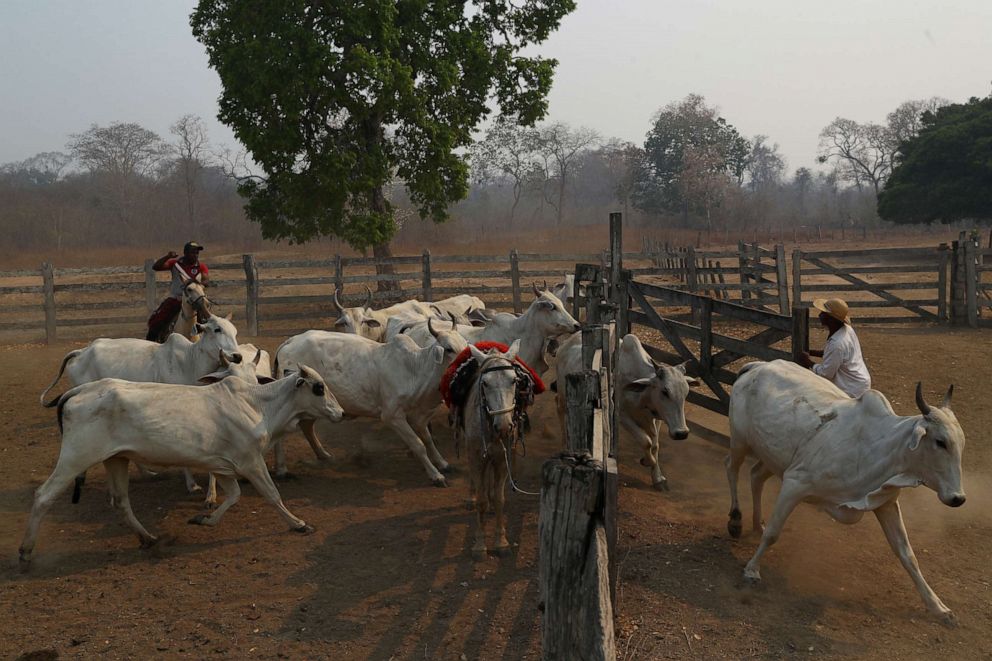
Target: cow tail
[65, 361]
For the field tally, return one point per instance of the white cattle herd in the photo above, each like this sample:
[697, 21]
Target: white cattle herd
[131, 400]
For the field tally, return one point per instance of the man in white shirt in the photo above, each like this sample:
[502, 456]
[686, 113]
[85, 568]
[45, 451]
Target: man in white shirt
[842, 361]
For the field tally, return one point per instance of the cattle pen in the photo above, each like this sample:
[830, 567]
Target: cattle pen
[389, 552]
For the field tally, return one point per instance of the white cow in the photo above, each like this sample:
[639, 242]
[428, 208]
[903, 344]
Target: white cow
[366, 322]
[396, 382]
[650, 393]
[231, 425]
[460, 305]
[848, 456]
[176, 361]
[544, 319]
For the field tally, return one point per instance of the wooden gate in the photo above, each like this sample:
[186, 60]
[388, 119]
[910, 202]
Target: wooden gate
[713, 336]
[912, 280]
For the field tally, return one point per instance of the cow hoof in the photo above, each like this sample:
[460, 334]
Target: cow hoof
[148, 542]
[24, 561]
[645, 462]
[661, 485]
[199, 519]
[479, 554]
[447, 469]
[284, 477]
[752, 579]
[734, 524]
[439, 482]
[948, 619]
[305, 529]
[502, 551]
[325, 458]
[208, 505]
[196, 488]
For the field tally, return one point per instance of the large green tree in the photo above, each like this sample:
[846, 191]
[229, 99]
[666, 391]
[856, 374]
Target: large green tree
[945, 172]
[334, 100]
[680, 133]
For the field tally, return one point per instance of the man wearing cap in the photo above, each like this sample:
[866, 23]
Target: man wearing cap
[187, 267]
[842, 361]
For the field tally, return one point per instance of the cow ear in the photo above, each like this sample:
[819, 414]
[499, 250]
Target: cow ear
[230, 316]
[545, 304]
[919, 431]
[437, 353]
[640, 385]
[262, 380]
[372, 323]
[213, 377]
[681, 367]
[692, 381]
[514, 350]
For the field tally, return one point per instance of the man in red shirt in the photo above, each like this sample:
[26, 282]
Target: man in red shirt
[187, 267]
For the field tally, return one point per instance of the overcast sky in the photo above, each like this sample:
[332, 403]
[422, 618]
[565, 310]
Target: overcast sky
[784, 68]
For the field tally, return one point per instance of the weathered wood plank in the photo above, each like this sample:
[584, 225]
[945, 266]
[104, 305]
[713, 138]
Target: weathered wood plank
[573, 564]
[48, 284]
[251, 293]
[909, 268]
[908, 253]
[873, 285]
[726, 308]
[515, 280]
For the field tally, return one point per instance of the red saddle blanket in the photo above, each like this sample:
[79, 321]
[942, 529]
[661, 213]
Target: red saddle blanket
[464, 360]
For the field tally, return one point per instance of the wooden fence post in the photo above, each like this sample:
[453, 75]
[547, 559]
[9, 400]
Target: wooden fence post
[800, 331]
[515, 280]
[427, 286]
[251, 293]
[742, 269]
[581, 399]
[48, 284]
[957, 295]
[151, 298]
[338, 274]
[706, 337]
[942, 283]
[781, 274]
[797, 277]
[692, 281]
[971, 282]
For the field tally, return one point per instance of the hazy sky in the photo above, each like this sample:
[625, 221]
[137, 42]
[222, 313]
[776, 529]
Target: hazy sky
[784, 68]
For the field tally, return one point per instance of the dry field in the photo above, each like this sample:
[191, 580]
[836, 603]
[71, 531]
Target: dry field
[388, 573]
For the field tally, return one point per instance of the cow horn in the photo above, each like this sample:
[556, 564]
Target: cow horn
[258, 357]
[224, 362]
[337, 303]
[922, 405]
[537, 292]
[430, 327]
[947, 398]
[368, 303]
[545, 285]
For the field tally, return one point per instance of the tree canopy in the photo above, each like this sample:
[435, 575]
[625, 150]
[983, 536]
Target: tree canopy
[688, 133]
[335, 100]
[945, 172]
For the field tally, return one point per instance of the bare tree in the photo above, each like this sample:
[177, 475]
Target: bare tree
[703, 180]
[623, 161]
[765, 165]
[906, 121]
[559, 145]
[862, 153]
[192, 149]
[506, 154]
[122, 154]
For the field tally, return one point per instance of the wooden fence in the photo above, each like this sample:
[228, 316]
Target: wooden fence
[948, 283]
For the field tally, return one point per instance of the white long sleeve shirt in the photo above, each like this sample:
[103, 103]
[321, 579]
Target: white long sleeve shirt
[843, 363]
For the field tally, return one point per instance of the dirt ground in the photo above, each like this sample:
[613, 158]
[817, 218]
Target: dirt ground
[388, 573]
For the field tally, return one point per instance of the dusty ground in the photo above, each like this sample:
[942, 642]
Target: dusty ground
[388, 573]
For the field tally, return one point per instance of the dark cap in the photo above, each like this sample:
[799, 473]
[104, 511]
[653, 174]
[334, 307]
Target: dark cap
[192, 245]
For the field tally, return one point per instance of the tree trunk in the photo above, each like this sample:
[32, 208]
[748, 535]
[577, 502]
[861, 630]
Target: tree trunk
[382, 250]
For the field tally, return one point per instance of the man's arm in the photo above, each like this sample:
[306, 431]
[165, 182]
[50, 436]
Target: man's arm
[204, 275]
[832, 359]
[159, 264]
[816, 353]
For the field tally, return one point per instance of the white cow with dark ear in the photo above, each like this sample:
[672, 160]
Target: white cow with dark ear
[115, 422]
[366, 322]
[649, 394]
[847, 456]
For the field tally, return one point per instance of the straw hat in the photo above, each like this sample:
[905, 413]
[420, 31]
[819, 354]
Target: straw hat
[835, 307]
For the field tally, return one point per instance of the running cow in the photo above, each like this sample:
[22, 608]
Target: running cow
[847, 456]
